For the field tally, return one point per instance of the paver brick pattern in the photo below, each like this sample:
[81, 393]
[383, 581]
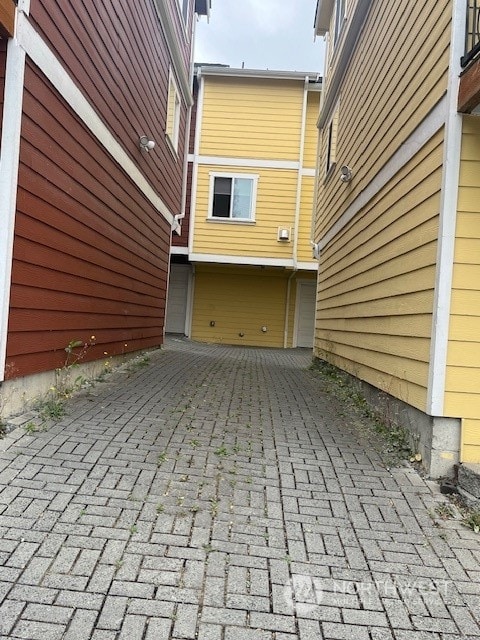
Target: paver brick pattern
[222, 494]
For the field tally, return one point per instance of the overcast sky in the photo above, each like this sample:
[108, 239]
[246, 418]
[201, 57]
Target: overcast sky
[261, 34]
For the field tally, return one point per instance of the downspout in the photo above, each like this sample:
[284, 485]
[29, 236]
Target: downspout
[287, 309]
[9, 164]
[297, 211]
[196, 149]
[448, 216]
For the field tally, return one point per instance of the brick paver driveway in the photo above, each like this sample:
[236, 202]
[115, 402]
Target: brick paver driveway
[221, 494]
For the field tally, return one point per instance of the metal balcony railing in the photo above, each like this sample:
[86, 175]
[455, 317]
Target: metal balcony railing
[472, 33]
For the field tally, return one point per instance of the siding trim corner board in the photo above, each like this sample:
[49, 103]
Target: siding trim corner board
[9, 161]
[448, 209]
[34, 46]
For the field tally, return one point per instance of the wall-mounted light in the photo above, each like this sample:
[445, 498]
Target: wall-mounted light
[146, 144]
[345, 173]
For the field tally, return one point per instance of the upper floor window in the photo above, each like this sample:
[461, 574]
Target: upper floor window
[233, 197]
[339, 19]
[331, 151]
[172, 128]
[184, 6]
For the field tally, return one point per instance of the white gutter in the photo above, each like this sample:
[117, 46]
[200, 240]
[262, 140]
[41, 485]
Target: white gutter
[298, 197]
[448, 215]
[196, 149]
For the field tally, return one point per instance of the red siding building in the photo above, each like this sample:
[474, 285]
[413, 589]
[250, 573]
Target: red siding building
[87, 211]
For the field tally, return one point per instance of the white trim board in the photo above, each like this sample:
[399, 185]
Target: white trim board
[247, 162]
[256, 261]
[250, 163]
[420, 136]
[178, 251]
[448, 217]
[9, 159]
[46, 61]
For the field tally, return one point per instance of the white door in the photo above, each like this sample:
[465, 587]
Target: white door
[177, 302]
[305, 315]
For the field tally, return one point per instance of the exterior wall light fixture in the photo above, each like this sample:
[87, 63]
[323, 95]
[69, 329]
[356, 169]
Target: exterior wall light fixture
[345, 173]
[146, 144]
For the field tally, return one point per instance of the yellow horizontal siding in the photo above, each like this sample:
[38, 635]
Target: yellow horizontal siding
[275, 206]
[304, 249]
[381, 105]
[470, 440]
[311, 131]
[377, 278]
[462, 398]
[364, 366]
[242, 300]
[251, 118]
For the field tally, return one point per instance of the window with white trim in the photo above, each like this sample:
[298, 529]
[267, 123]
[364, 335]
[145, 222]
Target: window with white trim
[331, 151]
[172, 128]
[339, 19]
[183, 5]
[232, 197]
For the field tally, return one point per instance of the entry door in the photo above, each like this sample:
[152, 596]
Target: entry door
[305, 320]
[177, 303]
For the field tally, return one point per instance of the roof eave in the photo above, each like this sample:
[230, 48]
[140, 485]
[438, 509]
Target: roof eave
[323, 16]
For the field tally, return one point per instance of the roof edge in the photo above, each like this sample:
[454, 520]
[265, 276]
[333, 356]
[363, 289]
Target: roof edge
[209, 70]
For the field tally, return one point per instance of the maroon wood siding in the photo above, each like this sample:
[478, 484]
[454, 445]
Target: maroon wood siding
[116, 52]
[90, 251]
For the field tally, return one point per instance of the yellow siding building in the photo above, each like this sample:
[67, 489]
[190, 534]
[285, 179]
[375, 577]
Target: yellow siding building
[397, 221]
[249, 263]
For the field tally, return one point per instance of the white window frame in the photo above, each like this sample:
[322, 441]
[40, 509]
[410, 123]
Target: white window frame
[183, 9]
[332, 143]
[339, 20]
[253, 203]
[173, 136]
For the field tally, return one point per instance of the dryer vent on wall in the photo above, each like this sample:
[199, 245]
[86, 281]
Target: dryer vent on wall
[283, 234]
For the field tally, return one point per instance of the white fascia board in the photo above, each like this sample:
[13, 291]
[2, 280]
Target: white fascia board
[263, 74]
[9, 160]
[242, 260]
[307, 266]
[323, 16]
[448, 219]
[47, 62]
[178, 251]
[174, 49]
[420, 136]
